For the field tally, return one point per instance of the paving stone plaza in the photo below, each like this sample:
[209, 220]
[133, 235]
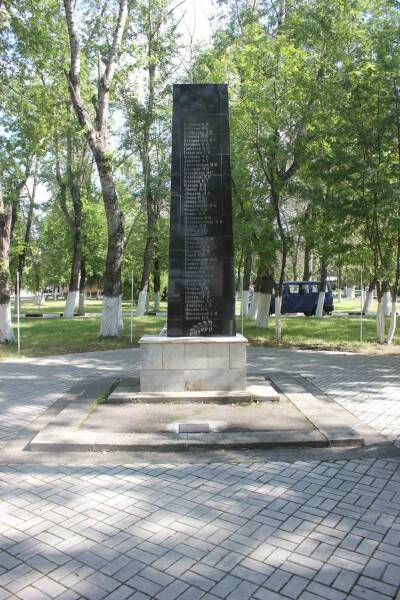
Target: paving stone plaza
[237, 525]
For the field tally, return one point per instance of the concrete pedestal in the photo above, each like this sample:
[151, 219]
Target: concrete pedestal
[192, 364]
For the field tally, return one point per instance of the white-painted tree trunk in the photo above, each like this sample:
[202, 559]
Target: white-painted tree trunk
[55, 295]
[368, 302]
[6, 329]
[244, 305]
[319, 312]
[386, 300]
[40, 298]
[252, 314]
[157, 301]
[339, 295]
[393, 323]
[71, 302]
[278, 320]
[81, 303]
[350, 292]
[110, 325]
[147, 301]
[264, 303]
[121, 316]
[380, 324]
[141, 305]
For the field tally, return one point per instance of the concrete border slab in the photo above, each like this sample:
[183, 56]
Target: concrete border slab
[258, 389]
[333, 426]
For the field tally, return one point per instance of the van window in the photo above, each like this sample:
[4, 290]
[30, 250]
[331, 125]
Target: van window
[314, 288]
[293, 289]
[304, 289]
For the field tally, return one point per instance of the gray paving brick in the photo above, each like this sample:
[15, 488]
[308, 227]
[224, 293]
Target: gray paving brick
[8, 561]
[378, 586]
[200, 581]
[345, 580]
[30, 593]
[248, 575]
[193, 593]
[172, 591]
[392, 575]
[295, 586]
[225, 586]
[103, 581]
[325, 592]
[68, 595]
[361, 592]
[89, 591]
[49, 586]
[243, 591]
[264, 594]
[277, 580]
[144, 585]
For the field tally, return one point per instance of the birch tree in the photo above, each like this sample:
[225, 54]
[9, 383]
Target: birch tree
[96, 131]
[147, 103]
[70, 198]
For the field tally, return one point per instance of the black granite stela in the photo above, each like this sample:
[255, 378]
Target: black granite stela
[201, 295]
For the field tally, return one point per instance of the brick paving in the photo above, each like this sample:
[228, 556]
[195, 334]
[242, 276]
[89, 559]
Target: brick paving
[308, 530]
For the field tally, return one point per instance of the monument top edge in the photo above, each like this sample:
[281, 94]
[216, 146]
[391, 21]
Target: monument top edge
[215, 339]
[199, 84]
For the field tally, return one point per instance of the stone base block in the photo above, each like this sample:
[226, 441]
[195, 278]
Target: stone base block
[192, 363]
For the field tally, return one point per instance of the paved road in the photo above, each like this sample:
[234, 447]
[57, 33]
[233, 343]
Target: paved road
[307, 530]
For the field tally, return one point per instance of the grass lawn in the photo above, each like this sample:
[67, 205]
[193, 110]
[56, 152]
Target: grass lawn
[328, 333]
[51, 306]
[346, 305]
[43, 337]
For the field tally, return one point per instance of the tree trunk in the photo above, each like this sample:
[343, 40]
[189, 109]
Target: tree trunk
[278, 315]
[239, 274]
[6, 330]
[151, 205]
[82, 288]
[308, 263]
[264, 300]
[110, 319]
[244, 307]
[393, 322]
[73, 291]
[296, 258]
[27, 237]
[380, 317]
[369, 297]
[322, 287]
[385, 299]
[252, 314]
[157, 284]
[97, 139]
[147, 257]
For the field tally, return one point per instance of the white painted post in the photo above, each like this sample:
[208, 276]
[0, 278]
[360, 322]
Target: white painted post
[241, 306]
[17, 291]
[132, 309]
[361, 304]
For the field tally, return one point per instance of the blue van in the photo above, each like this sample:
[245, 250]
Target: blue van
[302, 296]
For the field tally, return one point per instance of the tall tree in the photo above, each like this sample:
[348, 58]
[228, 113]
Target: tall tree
[70, 198]
[97, 135]
[148, 114]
